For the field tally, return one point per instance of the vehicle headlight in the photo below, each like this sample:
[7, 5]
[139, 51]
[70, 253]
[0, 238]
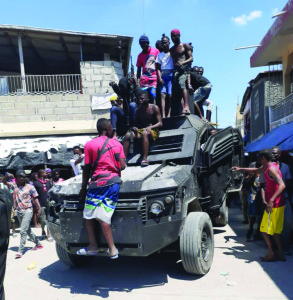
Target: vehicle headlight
[169, 199]
[157, 207]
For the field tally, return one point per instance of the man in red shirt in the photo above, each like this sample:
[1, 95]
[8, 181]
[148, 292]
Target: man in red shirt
[273, 218]
[147, 61]
[104, 156]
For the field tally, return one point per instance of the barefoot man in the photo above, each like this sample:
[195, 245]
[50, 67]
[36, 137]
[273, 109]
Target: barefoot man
[148, 121]
[182, 58]
[273, 217]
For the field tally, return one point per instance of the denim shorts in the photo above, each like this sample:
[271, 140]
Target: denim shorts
[202, 93]
[167, 86]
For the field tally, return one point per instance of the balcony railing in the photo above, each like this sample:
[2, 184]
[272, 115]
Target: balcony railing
[283, 108]
[40, 84]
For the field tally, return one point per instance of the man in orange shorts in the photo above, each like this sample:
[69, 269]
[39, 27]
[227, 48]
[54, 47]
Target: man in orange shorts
[273, 217]
[148, 121]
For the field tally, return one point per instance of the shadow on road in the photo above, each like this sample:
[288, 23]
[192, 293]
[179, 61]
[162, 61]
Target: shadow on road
[124, 275]
[280, 272]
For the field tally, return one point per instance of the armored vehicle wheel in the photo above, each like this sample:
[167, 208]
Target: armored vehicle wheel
[74, 261]
[224, 216]
[197, 243]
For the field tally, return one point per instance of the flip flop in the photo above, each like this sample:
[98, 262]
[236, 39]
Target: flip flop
[115, 256]
[85, 252]
[144, 163]
[267, 259]
[186, 112]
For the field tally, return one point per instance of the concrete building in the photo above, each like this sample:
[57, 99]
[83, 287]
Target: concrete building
[48, 78]
[268, 101]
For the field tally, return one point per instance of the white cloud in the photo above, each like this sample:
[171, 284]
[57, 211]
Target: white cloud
[243, 19]
[254, 14]
[240, 20]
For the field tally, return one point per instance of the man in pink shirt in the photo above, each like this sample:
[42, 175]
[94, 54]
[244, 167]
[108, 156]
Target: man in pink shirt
[104, 156]
[273, 217]
[146, 62]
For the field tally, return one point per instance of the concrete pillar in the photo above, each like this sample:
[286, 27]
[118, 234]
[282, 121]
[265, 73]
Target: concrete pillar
[22, 71]
[287, 62]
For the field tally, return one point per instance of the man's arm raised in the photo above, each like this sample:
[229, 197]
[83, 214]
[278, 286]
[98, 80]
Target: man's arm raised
[249, 170]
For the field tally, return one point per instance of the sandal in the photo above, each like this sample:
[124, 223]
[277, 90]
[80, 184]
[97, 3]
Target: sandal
[144, 163]
[115, 256]
[186, 112]
[85, 252]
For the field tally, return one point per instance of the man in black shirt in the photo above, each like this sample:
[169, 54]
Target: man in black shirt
[202, 87]
[43, 186]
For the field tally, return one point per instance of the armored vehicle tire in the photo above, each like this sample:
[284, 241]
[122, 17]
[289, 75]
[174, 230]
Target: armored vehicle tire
[224, 216]
[197, 243]
[74, 261]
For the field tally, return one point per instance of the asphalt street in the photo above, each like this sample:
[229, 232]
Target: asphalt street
[236, 273]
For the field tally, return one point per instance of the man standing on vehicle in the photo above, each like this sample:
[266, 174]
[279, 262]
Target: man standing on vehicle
[273, 217]
[147, 61]
[182, 59]
[104, 156]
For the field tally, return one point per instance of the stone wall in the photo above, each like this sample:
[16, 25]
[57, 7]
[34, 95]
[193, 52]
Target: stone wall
[96, 76]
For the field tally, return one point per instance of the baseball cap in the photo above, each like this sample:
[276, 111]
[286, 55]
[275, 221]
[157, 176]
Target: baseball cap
[20, 173]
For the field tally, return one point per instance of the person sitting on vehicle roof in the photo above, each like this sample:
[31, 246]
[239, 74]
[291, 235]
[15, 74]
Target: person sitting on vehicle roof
[148, 121]
[202, 87]
[146, 63]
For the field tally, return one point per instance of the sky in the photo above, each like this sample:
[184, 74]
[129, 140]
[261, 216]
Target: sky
[214, 27]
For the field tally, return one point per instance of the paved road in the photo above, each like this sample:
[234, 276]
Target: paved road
[156, 276]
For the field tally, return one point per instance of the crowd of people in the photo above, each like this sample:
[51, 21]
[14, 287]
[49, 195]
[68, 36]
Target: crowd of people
[30, 202]
[266, 199]
[161, 72]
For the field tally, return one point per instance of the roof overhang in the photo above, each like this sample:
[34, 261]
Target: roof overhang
[50, 51]
[277, 40]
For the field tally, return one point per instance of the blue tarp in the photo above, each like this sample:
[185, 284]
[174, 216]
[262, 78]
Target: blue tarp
[281, 136]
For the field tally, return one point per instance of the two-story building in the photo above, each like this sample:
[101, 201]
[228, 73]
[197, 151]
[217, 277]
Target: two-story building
[267, 104]
[48, 79]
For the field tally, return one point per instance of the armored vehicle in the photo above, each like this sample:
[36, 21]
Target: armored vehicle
[177, 198]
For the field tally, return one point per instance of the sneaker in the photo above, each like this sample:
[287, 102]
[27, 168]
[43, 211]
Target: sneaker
[37, 247]
[18, 255]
